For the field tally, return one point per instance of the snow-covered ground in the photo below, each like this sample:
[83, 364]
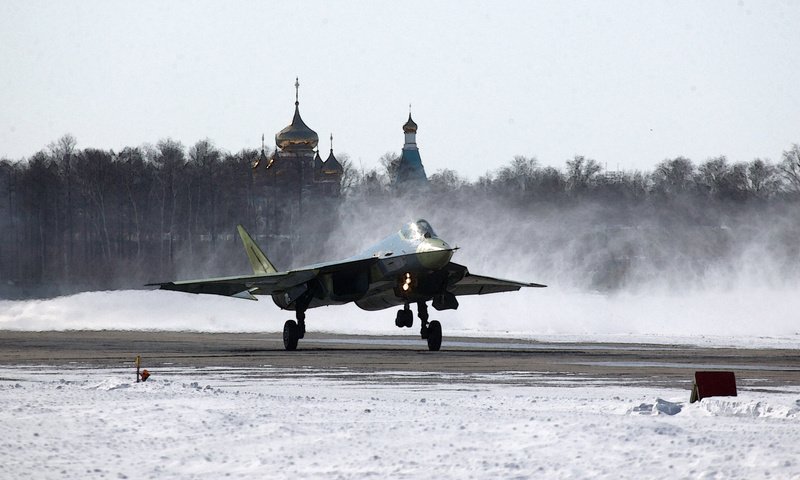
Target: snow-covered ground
[753, 317]
[268, 423]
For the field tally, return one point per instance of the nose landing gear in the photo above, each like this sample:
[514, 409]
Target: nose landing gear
[434, 336]
[422, 313]
[405, 318]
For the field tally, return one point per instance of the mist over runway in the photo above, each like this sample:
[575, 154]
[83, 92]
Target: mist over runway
[719, 319]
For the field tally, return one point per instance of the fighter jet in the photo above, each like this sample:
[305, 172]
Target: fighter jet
[411, 266]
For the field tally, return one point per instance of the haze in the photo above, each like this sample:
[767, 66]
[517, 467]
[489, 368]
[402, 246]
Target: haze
[626, 83]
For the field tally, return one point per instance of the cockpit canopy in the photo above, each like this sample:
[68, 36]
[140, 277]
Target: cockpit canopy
[416, 230]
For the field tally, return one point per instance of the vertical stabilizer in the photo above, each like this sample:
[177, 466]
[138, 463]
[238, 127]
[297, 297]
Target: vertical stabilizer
[259, 261]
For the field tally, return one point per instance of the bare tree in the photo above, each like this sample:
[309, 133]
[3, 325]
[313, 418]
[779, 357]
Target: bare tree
[790, 167]
[349, 178]
[170, 161]
[63, 151]
[446, 180]
[673, 177]
[581, 172]
[390, 163]
[519, 176]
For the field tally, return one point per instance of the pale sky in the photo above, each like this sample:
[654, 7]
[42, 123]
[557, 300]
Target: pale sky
[626, 83]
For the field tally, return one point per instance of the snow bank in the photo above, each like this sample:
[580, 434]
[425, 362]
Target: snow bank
[267, 423]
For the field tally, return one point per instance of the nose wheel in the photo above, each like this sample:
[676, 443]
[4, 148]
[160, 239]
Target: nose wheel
[405, 318]
[434, 337]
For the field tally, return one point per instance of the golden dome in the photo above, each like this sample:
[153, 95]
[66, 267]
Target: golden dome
[410, 126]
[332, 166]
[297, 135]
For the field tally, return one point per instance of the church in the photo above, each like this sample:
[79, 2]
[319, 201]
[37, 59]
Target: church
[294, 185]
[296, 162]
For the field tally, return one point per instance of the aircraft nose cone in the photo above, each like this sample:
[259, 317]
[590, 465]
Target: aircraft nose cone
[434, 253]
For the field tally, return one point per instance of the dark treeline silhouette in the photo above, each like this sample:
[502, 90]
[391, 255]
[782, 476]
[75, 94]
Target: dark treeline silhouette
[78, 219]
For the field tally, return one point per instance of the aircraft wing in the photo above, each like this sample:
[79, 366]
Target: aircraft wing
[465, 283]
[245, 286]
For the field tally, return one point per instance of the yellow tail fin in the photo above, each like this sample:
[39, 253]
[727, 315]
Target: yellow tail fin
[259, 261]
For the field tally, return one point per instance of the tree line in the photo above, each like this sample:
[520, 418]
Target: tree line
[74, 219]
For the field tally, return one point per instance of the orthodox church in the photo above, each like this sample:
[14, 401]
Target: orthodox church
[294, 186]
[296, 163]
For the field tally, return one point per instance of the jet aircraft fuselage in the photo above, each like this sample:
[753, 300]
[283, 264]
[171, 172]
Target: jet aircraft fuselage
[406, 267]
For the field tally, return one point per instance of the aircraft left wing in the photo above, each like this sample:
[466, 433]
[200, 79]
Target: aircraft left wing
[465, 283]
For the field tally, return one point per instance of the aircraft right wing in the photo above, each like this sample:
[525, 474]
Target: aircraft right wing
[465, 283]
[265, 280]
[245, 286]
[241, 286]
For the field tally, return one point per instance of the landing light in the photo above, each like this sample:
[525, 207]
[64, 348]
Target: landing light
[407, 281]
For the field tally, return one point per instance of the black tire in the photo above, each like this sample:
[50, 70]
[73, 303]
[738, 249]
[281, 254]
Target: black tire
[434, 336]
[291, 334]
[405, 318]
[409, 319]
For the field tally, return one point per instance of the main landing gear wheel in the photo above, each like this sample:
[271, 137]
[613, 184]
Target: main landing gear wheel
[434, 336]
[291, 334]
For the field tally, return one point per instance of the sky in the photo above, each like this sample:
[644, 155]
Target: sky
[627, 83]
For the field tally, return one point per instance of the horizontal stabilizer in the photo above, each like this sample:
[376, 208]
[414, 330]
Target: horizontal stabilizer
[246, 295]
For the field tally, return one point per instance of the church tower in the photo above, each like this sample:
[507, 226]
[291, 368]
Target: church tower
[410, 171]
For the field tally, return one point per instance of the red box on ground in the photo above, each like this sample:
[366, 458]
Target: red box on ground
[715, 384]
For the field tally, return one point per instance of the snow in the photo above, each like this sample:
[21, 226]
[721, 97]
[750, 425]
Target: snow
[300, 423]
[762, 318]
[273, 423]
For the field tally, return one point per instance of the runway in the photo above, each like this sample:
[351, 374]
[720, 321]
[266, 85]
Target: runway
[338, 355]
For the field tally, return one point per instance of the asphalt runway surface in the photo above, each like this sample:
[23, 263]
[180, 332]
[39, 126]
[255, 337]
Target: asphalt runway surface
[474, 359]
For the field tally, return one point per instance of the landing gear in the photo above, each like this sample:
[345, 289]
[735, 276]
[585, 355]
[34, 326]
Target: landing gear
[405, 317]
[293, 331]
[301, 324]
[422, 313]
[432, 332]
[434, 336]
[291, 334]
